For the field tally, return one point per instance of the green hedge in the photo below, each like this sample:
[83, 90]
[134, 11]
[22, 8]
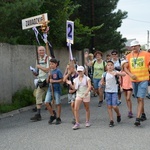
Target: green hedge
[21, 98]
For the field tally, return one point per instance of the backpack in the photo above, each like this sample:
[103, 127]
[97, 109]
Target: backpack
[116, 77]
[65, 85]
[86, 81]
[45, 61]
[118, 68]
[120, 61]
[94, 64]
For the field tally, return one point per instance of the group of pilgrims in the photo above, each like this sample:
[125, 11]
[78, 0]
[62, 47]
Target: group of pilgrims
[107, 79]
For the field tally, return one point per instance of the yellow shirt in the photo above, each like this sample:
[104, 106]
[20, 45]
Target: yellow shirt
[138, 65]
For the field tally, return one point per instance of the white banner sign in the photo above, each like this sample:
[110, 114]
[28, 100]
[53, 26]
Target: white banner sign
[70, 32]
[34, 21]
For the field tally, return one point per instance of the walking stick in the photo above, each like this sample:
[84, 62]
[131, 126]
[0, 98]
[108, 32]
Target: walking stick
[45, 29]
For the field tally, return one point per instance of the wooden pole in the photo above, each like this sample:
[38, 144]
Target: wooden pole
[45, 30]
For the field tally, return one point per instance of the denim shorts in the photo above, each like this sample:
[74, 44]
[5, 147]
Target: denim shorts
[49, 98]
[111, 98]
[140, 89]
[71, 97]
[96, 83]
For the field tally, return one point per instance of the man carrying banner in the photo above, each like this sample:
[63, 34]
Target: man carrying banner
[43, 68]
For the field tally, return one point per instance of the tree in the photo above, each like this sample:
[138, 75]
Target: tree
[96, 22]
[83, 34]
[97, 12]
[12, 12]
[58, 12]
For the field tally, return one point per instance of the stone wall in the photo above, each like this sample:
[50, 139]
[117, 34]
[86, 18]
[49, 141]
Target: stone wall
[14, 67]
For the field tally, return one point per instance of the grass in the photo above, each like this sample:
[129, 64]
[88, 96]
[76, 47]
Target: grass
[22, 98]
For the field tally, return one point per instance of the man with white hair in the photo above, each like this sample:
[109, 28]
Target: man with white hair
[138, 69]
[43, 67]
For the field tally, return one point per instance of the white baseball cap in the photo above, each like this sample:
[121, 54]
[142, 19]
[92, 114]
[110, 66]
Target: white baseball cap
[80, 68]
[134, 43]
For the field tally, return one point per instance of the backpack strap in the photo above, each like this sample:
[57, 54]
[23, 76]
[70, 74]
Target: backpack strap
[116, 77]
[104, 66]
[46, 59]
[93, 66]
[104, 76]
[120, 61]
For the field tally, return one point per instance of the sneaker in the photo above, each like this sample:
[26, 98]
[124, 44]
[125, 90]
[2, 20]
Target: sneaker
[73, 121]
[111, 124]
[130, 115]
[118, 103]
[58, 121]
[87, 124]
[118, 119]
[137, 122]
[76, 126]
[37, 117]
[52, 118]
[143, 117]
[95, 95]
[100, 103]
[92, 94]
[34, 109]
[148, 96]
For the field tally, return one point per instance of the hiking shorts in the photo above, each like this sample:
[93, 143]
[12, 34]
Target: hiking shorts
[96, 83]
[85, 99]
[49, 98]
[40, 94]
[140, 89]
[71, 97]
[111, 98]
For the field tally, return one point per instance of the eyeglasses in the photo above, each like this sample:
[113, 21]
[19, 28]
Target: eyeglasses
[114, 54]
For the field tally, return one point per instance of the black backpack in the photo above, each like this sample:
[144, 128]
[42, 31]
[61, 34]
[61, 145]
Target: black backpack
[94, 63]
[118, 68]
[116, 77]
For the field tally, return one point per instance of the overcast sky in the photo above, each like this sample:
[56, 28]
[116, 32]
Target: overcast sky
[137, 23]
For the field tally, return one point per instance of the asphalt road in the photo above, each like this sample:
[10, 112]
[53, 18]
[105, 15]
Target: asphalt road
[19, 133]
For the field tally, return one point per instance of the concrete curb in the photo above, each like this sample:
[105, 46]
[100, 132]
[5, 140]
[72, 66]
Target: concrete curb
[12, 113]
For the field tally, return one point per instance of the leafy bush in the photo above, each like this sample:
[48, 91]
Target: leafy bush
[20, 99]
[64, 90]
[23, 97]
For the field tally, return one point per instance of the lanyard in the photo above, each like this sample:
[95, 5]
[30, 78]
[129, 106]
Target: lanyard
[135, 59]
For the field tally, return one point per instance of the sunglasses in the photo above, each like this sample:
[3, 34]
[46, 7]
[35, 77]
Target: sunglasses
[134, 46]
[114, 54]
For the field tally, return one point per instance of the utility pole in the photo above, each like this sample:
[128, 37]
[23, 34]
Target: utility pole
[147, 39]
